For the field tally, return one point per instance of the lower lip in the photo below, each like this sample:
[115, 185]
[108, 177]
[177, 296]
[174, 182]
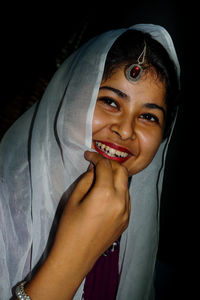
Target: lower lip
[119, 159]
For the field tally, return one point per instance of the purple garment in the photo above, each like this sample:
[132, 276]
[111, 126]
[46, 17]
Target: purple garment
[102, 281]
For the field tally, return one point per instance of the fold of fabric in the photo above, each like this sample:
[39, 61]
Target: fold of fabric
[41, 156]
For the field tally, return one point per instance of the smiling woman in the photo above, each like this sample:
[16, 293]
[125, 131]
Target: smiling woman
[124, 119]
[156, 61]
[134, 116]
[81, 173]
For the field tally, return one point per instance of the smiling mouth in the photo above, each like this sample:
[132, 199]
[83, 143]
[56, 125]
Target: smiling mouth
[112, 151]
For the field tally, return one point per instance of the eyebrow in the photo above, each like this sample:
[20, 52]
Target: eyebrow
[155, 106]
[116, 91]
[125, 96]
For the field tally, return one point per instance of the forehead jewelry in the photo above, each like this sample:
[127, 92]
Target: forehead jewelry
[134, 71]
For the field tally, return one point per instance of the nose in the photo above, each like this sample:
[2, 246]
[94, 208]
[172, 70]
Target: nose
[124, 128]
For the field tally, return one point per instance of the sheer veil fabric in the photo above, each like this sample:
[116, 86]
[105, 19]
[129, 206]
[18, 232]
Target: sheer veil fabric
[41, 156]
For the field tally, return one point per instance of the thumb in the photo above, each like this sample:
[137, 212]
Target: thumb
[83, 187]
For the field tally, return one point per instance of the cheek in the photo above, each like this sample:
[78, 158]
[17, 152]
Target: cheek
[99, 121]
[148, 146]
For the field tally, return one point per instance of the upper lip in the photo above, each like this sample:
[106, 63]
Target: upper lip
[116, 147]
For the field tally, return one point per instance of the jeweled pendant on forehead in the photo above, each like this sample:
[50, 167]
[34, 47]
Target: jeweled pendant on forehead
[134, 72]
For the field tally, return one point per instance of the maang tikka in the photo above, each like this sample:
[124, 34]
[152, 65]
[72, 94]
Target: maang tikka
[134, 71]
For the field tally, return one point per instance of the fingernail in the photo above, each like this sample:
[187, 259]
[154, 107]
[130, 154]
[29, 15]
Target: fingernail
[86, 154]
[91, 166]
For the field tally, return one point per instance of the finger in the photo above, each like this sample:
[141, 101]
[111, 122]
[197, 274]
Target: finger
[113, 173]
[83, 186]
[128, 202]
[121, 184]
[120, 177]
[103, 168]
[93, 157]
[90, 167]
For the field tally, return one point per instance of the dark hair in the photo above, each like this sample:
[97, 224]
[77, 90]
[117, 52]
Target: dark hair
[126, 50]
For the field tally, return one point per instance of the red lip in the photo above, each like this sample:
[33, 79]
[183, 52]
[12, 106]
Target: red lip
[119, 159]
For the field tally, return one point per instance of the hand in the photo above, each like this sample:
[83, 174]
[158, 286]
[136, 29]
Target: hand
[96, 214]
[108, 200]
[98, 210]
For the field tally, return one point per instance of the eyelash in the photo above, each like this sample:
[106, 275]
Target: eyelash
[147, 116]
[150, 117]
[108, 101]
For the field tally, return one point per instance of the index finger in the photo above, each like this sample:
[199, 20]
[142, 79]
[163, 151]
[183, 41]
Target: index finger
[104, 171]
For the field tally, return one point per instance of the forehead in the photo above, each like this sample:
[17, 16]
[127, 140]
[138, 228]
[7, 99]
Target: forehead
[148, 88]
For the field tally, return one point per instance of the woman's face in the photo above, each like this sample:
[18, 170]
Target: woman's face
[129, 119]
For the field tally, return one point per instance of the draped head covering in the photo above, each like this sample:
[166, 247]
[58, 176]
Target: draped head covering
[42, 154]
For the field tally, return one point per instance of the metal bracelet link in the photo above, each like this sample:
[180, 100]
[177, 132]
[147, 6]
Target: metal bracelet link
[20, 293]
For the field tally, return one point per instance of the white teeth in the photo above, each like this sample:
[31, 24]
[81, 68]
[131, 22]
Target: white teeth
[110, 151]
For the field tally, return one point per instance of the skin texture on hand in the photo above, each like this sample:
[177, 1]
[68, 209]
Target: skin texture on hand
[96, 214]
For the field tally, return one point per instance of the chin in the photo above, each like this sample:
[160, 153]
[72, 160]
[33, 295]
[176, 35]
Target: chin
[136, 166]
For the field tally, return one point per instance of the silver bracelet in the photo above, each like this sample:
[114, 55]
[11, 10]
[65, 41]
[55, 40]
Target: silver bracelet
[20, 293]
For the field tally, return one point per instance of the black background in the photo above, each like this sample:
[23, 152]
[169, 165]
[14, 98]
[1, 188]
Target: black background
[33, 36]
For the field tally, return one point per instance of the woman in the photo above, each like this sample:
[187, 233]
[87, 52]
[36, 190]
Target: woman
[68, 222]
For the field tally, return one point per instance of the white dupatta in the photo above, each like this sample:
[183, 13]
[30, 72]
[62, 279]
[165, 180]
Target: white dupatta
[42, 154]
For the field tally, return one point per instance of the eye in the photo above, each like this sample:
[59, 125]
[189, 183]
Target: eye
[109, 101]
[150, 117]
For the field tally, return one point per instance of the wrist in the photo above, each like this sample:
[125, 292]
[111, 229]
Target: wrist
[58, 278]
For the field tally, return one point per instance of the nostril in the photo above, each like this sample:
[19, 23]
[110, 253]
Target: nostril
[124, 129]
[125, 135]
